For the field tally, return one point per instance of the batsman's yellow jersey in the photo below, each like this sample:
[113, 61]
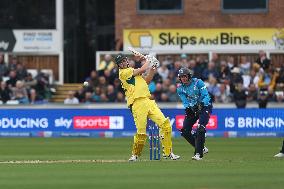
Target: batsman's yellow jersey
[134, 86]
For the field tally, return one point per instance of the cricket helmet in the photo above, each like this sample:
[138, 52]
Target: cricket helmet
[183, 72]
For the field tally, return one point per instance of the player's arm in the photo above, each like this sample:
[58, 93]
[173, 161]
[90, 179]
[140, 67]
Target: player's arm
[182, 97]
[142, 69]
[204, 95]
[148, 78]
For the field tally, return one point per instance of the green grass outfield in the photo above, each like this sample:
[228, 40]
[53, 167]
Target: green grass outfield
[231, 163]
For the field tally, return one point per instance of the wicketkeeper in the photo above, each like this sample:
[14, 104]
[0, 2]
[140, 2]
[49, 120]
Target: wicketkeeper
[198, 105]
[142, 107]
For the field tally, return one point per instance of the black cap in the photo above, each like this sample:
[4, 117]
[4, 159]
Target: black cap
[119, 58]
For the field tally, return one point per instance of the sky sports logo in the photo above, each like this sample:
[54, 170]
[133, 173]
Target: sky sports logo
[98, 122]
[212, 123]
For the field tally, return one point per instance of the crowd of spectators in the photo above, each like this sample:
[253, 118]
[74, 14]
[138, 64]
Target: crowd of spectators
[226, 79]
[18, 86]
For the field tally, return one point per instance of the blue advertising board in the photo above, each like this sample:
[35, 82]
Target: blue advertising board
[119, 122]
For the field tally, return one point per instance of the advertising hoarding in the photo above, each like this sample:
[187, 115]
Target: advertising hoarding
[119, 122]
[204, 39]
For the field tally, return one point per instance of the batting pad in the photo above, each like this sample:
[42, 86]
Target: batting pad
[166, 139]
[139, 142]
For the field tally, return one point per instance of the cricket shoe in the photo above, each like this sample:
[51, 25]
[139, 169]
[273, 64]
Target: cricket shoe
[196, 157]
[279, 155]
[133, 158]
[205, 150]
[173, 156]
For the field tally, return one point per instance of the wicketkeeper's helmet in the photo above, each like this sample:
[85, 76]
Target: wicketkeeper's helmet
[184, 71]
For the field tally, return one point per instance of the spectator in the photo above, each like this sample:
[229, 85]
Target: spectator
[224, 94]
[201, 65]
[80, 94]
[157, 78]
[21, 71]
[120, 97]
[3, 66]
[20, 93]
[117, 85]
[172, 78]
[192, 67]
[244, 66]
[5, 92]
[163, 71]
[168, 62]
[12, 79]
[240, 96]
[71, 99]
[263, 61]
[184, 61]
[103, 84]
[114, 73]
[88, 98]
[93, 79]
[107, 63]
[172, 95]
[42, 86]
[104, 97]
[158, 92]
[152, 86]
[109, 77]
[215, 58]
[235, 79]
[213, 87]
[231, 62]
[254, 78]
[211, 70]
[245, 71]
[164, 97]
[177, 66]
[267, 81]
[166, 83]
[13, 64]
[252, 92]
[224, 72]
[33, 96]
[97, 94]
[30, 84]
[262, 98]
[111, 95]
[266, 85]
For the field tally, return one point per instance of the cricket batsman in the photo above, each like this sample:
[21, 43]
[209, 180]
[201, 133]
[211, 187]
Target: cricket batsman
[142, 107]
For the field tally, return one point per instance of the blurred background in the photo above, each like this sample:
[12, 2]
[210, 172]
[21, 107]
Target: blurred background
[49, 48]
